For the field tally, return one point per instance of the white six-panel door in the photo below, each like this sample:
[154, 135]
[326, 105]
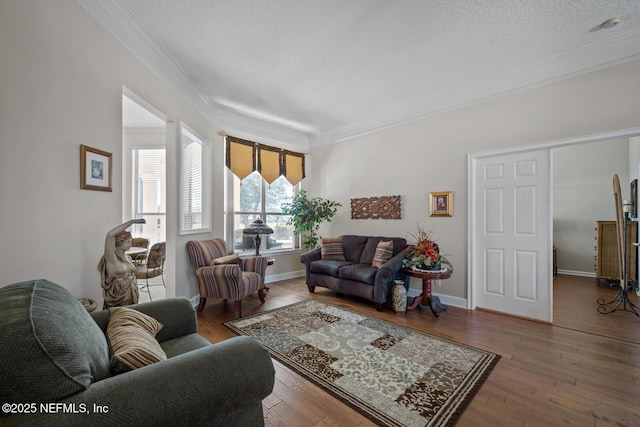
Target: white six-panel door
[511, 218]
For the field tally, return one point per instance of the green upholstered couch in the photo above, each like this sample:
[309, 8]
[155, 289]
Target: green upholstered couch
[54, 367]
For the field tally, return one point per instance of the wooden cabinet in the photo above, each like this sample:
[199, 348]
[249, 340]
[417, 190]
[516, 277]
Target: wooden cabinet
[607, 250]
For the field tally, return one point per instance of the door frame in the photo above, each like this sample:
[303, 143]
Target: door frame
[472, 189]
[169, 142]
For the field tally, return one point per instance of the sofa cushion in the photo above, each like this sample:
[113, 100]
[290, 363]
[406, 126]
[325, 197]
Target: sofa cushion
[369, 250]
[359, 272]
[132, 338]
[51, 343]
[328, 267]
[331, 249]
[383, 253]
[353, 247]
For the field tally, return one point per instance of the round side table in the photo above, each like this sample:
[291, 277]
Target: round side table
[426, 298]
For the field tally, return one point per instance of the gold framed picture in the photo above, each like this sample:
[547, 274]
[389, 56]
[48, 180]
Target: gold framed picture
[441, 203]
[95, 169]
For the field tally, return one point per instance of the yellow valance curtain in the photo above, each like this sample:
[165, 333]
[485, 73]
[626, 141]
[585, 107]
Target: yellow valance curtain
[269, 163]
[293, 166]
[243, 157]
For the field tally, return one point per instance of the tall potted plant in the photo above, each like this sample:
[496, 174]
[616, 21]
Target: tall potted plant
[307, 215]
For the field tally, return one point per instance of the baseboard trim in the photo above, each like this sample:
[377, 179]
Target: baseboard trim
[577, 273]
[195, 301]
[413, 292]
[453, 301]
[445, 299]
[283, 276]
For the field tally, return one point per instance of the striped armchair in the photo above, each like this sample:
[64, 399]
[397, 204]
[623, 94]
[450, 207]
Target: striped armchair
[231, 280]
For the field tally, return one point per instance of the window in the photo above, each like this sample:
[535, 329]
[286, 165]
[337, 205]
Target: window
[195, 199]
[255, 199]
[149, 193]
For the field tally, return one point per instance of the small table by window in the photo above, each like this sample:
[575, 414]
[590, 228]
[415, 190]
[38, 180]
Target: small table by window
[426, 298]
[134, 250]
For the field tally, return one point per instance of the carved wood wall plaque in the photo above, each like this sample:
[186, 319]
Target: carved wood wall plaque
[384, 207]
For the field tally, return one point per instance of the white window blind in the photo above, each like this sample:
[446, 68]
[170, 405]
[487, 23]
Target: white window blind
[195, 212]
[149, 192]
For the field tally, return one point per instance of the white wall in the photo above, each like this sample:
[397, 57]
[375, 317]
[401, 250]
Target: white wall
[430, 154]
[61, 82]
[582, 195]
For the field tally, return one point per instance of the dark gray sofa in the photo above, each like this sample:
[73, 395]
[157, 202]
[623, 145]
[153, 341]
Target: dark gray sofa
[53, 352]
[356, 276]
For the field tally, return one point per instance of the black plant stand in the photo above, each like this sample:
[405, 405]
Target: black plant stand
[621, 301]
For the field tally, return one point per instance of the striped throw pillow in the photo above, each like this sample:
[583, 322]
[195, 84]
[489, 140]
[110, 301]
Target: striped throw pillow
[132, 339]
[331, 249]
[384, 252]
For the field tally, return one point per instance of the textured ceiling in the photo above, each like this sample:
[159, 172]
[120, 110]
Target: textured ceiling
[307, 72]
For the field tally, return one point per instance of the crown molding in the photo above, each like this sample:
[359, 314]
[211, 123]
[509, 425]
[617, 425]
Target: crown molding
[596, 56]
[244, 127]
[124, 24]
[131, 31]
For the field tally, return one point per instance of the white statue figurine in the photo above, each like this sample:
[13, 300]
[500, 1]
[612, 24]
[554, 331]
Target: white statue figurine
[116, 269]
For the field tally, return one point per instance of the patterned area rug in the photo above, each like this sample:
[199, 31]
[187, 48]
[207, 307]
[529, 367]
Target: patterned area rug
[393, 375]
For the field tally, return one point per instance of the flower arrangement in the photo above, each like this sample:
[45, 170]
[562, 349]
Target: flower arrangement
[424, 254]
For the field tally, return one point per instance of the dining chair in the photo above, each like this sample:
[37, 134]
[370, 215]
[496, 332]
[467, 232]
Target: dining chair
[154, 267]
[139, 242]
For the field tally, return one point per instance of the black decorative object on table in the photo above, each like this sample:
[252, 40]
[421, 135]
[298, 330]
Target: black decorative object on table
[257, 228]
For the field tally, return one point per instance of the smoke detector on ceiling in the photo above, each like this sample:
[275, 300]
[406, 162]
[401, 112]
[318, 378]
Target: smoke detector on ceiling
[610, 23]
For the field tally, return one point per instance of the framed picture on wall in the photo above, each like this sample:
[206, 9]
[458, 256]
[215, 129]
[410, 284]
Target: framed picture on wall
[95, 169]
[441, 203]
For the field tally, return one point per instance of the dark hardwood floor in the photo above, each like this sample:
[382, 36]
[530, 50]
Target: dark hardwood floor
[582, 371]
[575, 307]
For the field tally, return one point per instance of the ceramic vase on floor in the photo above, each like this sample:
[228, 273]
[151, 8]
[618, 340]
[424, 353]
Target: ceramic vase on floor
[399, 297]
